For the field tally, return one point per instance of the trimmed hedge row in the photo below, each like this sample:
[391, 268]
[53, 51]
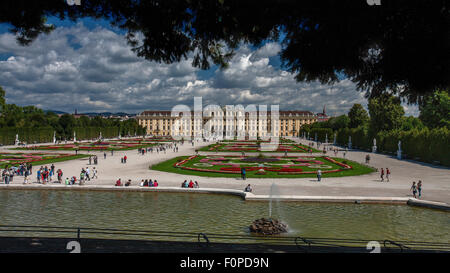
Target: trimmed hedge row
[322, 134]
[424, 145]
[45, 134]
[28, 135]
[84, 133]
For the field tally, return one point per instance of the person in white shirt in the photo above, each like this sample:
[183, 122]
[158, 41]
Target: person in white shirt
[88, 172]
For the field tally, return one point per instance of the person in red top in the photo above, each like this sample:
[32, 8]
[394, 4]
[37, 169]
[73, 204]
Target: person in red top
[155, 184]
[118, 183]
[125, 159]
[382, 175]
[191, 184]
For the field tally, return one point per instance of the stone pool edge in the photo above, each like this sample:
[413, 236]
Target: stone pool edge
[245, 195]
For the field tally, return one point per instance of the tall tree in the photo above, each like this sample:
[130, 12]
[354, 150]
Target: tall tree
[358, 116]
[436, 110]
[2, 99]
[386, 113]
[401, 46]
[339, 122]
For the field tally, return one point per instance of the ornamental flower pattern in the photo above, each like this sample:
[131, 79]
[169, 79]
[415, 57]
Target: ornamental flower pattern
[230, 164]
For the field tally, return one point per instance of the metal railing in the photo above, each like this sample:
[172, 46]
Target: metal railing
[206, 239]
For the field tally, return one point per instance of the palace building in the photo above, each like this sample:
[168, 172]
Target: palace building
[226, 123]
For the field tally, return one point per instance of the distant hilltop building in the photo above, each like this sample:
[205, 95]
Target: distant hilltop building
[237, 123]
[76, 115]
[322, 117]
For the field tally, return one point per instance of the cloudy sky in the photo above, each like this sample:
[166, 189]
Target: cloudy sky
[89, 66]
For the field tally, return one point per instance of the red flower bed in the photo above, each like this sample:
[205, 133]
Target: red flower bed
[337, 163]
[281, 171]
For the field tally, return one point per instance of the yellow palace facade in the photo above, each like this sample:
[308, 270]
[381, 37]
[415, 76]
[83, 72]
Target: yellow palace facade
[225, 123]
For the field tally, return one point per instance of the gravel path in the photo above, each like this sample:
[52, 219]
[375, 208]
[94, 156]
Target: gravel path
[435, 179]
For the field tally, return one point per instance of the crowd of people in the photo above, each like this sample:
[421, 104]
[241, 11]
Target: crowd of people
[22, 170]
[160, 148]
[86, 174]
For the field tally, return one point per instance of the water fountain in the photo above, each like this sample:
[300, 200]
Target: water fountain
[269, 226]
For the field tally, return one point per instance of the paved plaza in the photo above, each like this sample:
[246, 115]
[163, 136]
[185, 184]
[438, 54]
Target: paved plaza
[435, 179]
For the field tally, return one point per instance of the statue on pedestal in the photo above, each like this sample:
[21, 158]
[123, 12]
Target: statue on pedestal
[374, 147]
[16, 142]
[399, 151]
[349, 142]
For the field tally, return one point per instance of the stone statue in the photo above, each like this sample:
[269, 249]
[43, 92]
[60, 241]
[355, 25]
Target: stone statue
[374, 142]
[74, 137]
[54, 137]
[17, 140]
[399, 151]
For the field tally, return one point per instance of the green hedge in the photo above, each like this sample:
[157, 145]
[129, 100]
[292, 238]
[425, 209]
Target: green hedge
[86, 133]
[28, 135]
[321, 133]
[45, 134]
[424, 145]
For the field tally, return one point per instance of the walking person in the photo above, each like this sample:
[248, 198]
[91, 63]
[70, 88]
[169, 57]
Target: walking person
[6, 177]
[38, 174]
[382, 175]
[104, 155]
[367, 159]
[319, 175]
[60, 174]
[88, 173]
[82, 177]
[388, 173]
[414, 189]
[419, 188]
[25, 177]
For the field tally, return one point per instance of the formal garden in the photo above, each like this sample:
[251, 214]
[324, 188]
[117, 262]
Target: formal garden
[14, 159]
[116, 145]
[288, 146]
[262, 166]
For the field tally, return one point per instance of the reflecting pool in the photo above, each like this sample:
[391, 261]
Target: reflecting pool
[219, 214]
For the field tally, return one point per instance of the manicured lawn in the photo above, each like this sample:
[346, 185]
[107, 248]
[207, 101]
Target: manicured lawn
[281, 168]
[15, 159]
